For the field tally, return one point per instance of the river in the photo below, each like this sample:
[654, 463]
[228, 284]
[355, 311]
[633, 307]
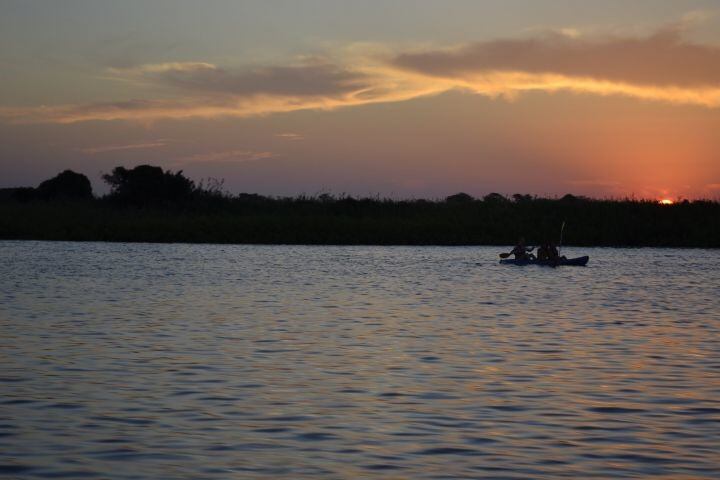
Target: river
[128, 361]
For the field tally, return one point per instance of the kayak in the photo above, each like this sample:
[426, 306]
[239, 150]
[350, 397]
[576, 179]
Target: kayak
[570, 262]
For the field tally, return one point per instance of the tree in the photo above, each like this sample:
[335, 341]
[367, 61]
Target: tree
[519, 198]
[461, 197]
[66, 185]
[494, 198]
[146, 184]
[570, 198]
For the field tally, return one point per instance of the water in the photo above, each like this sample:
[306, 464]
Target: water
[122, 361]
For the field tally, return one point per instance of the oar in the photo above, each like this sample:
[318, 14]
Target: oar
[506, 255]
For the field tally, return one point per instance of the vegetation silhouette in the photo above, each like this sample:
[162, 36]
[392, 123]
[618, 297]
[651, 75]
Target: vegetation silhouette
[66, 185]
[461, 197]
[147, 204]
[145, 184]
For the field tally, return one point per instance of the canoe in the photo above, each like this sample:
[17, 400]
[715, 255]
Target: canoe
[571, 262]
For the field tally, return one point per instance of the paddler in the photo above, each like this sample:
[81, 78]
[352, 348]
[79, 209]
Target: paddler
[553, 253]
[521, 252]
[544, 251]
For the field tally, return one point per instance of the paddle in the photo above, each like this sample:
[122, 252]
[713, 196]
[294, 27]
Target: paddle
[556, 261]
[506, 255]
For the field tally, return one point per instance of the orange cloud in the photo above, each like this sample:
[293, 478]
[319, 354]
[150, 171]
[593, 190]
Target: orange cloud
[307, 79]
[661, 67]
[114, 148]
[510, 84]
[199, 102]
[295, 137]
[661, 59]
[229, 155]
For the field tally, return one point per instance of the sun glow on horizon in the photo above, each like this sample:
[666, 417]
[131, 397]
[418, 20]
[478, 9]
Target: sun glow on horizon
[412, 101]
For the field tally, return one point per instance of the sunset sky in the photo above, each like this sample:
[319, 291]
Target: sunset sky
[401, 98]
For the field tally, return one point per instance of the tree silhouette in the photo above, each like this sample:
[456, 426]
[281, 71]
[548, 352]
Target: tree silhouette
[66, 185]
[146, 184]
[461, 197]
[494, 198]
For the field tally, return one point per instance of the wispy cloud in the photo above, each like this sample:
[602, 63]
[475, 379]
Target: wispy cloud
[695, 17]
[160, 68]
[114, 148]
[314, 77]
[217, 106]
[661, 59]
[226, 156]
[290, 136]
[660, 67]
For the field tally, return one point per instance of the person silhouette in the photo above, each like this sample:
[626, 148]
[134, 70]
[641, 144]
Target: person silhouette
[521, 252]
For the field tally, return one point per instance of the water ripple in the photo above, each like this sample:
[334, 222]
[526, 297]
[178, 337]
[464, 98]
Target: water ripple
[133, 361]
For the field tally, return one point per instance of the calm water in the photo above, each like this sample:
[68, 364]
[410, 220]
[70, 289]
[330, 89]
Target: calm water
[122, 361]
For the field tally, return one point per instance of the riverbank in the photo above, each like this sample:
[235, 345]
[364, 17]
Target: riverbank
[348, 221]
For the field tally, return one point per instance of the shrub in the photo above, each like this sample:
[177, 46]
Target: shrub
[66, 185]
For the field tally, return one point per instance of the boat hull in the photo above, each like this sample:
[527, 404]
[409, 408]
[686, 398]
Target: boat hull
[569, 262]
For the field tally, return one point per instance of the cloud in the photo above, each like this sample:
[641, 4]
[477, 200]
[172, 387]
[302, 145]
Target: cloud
[160, 68]
[113, 148]
[308, 79]
[290, 136]
[224, 156]
[661, 59]
[570, 32]
[660, 67]
[211, 102]
[695, 17]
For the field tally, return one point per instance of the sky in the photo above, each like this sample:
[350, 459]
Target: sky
[397, 98]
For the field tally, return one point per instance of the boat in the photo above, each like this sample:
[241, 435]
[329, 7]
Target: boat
[570, 262]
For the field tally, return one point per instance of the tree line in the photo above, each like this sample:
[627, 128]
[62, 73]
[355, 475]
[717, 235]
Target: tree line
[147, 203]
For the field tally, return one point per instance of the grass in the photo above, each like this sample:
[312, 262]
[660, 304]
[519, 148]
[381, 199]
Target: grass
[349, 221]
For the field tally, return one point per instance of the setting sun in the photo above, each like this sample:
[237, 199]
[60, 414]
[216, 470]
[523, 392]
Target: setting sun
[665, 201]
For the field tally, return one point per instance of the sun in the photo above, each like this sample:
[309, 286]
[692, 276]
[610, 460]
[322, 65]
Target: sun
[665, 201]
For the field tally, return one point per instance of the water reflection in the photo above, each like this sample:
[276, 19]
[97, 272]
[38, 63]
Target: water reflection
[179, 361]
